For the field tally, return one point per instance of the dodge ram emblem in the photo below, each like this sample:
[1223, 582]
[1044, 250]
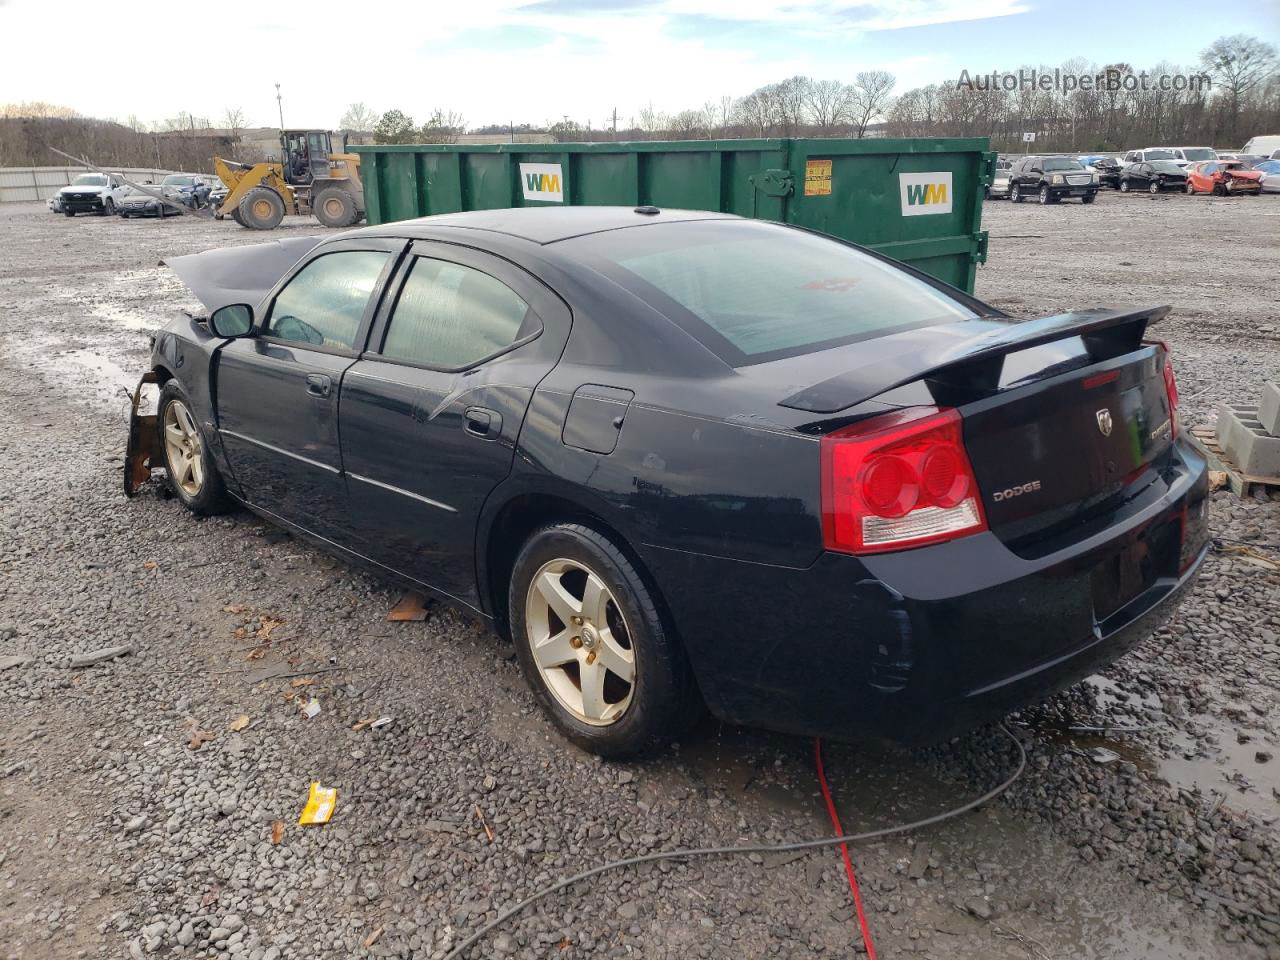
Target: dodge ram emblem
[1104, 421]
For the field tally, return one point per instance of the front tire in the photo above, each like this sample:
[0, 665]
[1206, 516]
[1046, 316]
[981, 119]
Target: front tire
[188, 462]
[335, 207]
[69, 213]
[262, 209]
[1015, 194]
[1154, 187]
[109, 207]
[1045, 197]
[593, 646]
[1124, 186]
[1089, 198]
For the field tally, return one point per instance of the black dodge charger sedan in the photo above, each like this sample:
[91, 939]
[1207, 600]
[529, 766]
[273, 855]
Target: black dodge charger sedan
[684, 458]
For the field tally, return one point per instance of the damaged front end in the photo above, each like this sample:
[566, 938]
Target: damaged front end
[142, 452]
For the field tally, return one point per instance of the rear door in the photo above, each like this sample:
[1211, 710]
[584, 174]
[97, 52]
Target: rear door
[431, 413]
[277, 392]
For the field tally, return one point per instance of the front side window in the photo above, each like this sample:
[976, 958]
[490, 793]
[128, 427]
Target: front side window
[753, 292]
[322, 305]
[450, 316]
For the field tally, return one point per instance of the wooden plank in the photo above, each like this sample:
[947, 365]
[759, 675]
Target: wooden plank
[1204, 440]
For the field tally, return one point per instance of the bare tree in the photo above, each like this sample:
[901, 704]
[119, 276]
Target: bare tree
[791, 98]
[444, 126]
[36, 108]
[688, 125]
[652, 121]
[233, 121]
[830, 103]
[359, 118]
[1238, 64]
[872, 95]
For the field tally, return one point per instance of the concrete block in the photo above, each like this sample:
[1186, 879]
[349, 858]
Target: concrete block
[1254, 451]
[1269, 408]
[1230, 415]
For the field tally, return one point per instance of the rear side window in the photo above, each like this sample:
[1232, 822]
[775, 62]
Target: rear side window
[753, 292]
[322, 305]
[450, 316]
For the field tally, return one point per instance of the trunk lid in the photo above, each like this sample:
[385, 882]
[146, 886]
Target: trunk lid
[1051, 454]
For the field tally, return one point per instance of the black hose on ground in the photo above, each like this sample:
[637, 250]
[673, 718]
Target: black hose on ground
[559, 885]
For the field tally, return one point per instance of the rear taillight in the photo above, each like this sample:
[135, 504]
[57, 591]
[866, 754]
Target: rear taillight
[1170, 385]
[897, 481]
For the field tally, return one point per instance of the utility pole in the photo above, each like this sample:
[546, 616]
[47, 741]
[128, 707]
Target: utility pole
[615, 123]
[280, 107]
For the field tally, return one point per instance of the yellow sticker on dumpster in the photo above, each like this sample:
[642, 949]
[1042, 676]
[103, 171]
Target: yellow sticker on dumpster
[320, 804]
[817, 178]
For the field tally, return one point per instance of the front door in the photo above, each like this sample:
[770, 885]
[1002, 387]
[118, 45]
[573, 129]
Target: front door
[277, 391]
[430, 414]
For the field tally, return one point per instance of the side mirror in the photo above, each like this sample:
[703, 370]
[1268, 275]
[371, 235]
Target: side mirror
[233, 320]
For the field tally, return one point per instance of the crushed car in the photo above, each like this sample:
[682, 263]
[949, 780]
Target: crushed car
[685, 460]
[152, 200]
[1229, 178]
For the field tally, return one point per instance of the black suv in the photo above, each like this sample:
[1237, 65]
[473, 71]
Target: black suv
[1051, 179]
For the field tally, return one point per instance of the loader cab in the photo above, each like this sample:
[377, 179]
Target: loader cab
[304, 155]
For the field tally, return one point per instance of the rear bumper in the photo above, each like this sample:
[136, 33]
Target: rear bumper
[920, 645]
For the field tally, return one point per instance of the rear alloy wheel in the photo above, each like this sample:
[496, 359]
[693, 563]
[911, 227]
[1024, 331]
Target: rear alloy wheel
[593, 647]
[262, 209]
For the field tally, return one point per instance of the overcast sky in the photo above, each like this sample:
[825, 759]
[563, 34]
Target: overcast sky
[538, 60]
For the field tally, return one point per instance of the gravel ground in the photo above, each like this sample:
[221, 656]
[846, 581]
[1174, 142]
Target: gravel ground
[140, 797]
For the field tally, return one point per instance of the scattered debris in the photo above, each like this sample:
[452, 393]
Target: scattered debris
[440, 826]
[311, 708]
[320, 804]
[99, 656]
[411, 607]
[277, 832]
[301, 682]
[14, 661]
[1102, 755]
[1217, 480]
[239, 723]
[199, 737]
[382, 722]
[361, 724]
[373, 938]
[488, 831]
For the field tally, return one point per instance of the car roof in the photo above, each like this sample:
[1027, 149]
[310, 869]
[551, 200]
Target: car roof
[544, 225]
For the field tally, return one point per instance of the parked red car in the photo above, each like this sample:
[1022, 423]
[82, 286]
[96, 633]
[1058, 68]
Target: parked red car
[1222, 177]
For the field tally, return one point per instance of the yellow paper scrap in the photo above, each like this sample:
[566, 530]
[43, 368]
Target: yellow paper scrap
[320, 804]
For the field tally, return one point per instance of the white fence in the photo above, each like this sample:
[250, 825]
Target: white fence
[40, 183]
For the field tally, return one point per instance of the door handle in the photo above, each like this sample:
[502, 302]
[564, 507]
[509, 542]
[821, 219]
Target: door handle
[318, 385]
[482, 422]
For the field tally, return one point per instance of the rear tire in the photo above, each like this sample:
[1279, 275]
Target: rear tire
[335, 207]
[617, 623]
[261, 209]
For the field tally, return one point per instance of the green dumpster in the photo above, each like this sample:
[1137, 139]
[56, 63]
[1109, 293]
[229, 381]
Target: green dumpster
[917, 200]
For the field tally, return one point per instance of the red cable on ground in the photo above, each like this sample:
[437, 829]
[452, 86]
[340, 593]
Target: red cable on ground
[844, 849]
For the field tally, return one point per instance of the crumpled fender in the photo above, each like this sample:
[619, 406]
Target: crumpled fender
[242, 274]
[143, 449]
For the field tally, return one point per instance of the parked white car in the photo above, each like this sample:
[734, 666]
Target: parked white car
[1270, 170]
[92, 193]
[1185, 156]
[1147, 155]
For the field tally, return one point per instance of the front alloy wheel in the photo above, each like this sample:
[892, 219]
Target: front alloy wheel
[580, 642]
[183, 449]
[1044, 195]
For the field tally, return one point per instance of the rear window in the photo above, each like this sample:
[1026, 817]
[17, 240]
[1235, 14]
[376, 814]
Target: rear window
[1165, 166]
[1199, 153]
[753, 292]
[1160, 155]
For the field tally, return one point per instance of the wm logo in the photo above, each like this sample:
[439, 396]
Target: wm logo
[926, 193]
[542, 182]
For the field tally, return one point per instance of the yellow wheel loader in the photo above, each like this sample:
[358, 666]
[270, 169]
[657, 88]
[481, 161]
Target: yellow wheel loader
[308, 178]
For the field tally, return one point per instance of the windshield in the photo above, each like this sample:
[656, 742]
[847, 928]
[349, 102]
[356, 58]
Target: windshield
[89, 180]
[1165, 166]
[752, 292]
[1062, 163]
[1161, 155]
[178, 180]
[1199, 153]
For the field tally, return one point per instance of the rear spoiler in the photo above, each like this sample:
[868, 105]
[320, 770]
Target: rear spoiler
[952, 363]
